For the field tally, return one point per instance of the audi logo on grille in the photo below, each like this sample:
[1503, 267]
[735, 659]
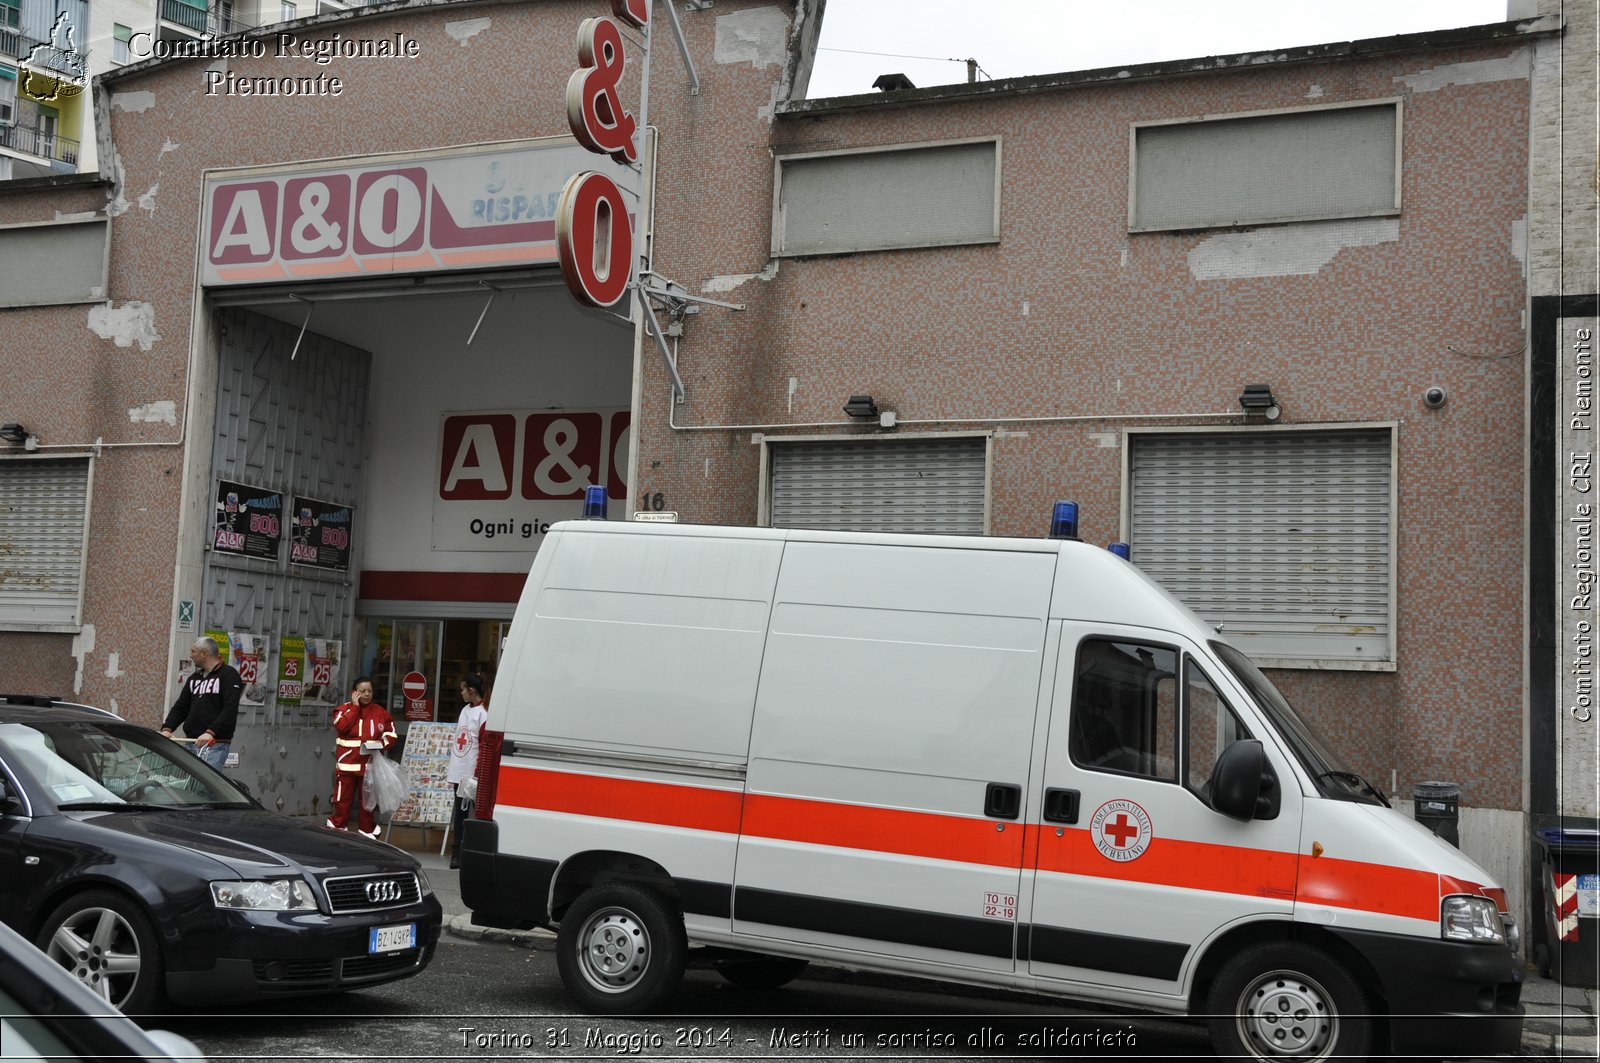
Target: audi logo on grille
[383, 892]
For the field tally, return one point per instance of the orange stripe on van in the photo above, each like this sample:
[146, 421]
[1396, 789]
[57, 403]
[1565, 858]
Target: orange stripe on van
[884, 830]
[1378, 888]
[1174, 862]
[690, 807]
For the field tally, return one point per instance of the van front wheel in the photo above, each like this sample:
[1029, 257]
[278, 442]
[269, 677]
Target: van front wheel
[621, 949]
[1281, 1000]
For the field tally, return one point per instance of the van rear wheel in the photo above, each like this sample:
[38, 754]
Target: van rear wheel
[1281, 1000]
[621, 948]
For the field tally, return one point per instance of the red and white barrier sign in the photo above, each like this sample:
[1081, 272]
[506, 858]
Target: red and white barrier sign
[1565, 893]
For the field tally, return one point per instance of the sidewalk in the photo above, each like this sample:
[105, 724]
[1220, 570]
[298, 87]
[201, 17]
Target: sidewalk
[1560, 1021]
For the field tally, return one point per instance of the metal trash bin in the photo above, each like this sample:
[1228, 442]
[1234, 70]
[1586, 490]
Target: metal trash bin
[1436, 807]
[1570, 869]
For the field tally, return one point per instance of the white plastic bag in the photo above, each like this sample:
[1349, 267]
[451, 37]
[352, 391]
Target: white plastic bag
[387, 782]
[467, 789]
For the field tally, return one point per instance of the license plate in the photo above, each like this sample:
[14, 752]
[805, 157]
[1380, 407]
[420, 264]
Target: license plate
[392, 938]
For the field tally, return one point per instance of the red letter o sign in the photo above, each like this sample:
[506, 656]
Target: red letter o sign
[593, 239]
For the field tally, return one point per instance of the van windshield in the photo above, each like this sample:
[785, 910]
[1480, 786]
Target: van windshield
[1333, 777]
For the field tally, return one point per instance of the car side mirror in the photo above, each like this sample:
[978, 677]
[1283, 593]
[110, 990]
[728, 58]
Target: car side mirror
[1243, 784]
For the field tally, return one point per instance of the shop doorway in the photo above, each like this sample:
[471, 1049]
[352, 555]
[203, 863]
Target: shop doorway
[443, 652]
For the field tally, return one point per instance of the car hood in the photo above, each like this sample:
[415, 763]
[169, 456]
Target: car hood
[253, 842]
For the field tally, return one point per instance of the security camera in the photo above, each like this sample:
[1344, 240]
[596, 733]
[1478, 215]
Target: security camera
[1434, 397]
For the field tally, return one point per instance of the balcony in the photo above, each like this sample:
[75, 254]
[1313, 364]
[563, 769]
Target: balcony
[217, 21]
[60, 151]
[16, 45]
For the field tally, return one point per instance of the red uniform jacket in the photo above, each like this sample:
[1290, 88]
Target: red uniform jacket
[355, 726]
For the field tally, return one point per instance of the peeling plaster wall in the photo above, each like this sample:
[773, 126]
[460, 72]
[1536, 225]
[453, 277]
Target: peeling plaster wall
[1476, 72]
[1285, 250]
[163, 412]
[125, 325]
[464, 30]
[729, 283]
[134, 101]
[758, 37]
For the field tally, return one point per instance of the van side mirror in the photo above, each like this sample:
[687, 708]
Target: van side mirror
[1243, 784]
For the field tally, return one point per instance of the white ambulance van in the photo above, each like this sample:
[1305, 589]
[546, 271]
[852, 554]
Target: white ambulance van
[998, 762]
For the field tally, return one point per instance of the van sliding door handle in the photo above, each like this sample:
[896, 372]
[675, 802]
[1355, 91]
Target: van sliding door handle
[1002, 801]
[1061, 806]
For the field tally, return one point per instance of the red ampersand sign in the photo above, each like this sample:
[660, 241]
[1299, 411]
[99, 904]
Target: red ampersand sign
[594, 106]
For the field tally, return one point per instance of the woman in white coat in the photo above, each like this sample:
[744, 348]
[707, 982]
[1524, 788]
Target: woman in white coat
[463, 773]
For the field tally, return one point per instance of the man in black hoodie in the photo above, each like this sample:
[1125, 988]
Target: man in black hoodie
[208, 705]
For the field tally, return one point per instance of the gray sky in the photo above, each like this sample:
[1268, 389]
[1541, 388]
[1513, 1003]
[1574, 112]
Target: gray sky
[1015, 38]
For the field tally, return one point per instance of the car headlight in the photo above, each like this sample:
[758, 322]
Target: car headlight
[1471, 919]
[272, 895]
[423, 884]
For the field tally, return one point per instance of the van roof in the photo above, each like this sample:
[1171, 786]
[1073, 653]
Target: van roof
[1102, 588]
[730, 531]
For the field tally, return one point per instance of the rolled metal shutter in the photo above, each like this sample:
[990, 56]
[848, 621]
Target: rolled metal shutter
[44, 507]
[919, 485]
[1283, 538]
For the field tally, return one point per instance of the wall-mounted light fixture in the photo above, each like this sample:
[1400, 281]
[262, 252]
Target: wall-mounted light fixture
[14, 434]
[861, 406]
[1257, 401]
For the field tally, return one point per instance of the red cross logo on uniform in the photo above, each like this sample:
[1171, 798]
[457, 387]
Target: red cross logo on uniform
[461, 740]
[1120, 830]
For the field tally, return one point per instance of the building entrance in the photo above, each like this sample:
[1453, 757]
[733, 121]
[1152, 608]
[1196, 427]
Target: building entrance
[443, 652]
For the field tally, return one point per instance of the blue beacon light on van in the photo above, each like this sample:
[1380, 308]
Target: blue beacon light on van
[1121, 550]
[1064, 521]
[594, 502]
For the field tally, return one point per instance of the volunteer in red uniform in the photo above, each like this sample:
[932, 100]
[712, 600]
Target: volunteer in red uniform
[362, 729]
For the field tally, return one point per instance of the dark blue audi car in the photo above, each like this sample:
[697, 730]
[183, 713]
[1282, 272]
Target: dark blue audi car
[153, 878]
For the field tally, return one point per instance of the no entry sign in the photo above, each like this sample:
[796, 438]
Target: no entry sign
[415, 686]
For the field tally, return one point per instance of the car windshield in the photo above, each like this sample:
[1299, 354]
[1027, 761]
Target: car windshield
[100, 764]
[1333, 777]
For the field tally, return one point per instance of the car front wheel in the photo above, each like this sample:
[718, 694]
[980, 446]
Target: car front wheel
[1285, 1001]
[107, 943]
[621, 948]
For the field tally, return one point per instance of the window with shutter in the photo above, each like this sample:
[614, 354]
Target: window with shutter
[935, 485]
[1285, 538]
[44, 517]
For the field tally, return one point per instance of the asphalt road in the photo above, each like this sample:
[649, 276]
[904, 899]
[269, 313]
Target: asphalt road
[482, 1000]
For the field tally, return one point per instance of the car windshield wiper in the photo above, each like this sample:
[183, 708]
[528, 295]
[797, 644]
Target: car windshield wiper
[1362, 786]
[109, 806]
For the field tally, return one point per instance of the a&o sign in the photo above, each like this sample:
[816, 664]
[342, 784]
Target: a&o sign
[593, 239]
